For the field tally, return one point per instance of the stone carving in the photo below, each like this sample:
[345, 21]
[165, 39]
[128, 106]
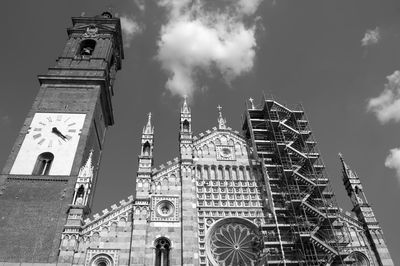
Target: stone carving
[91, 32]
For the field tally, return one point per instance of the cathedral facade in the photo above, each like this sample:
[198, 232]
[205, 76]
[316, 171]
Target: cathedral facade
[255, 197]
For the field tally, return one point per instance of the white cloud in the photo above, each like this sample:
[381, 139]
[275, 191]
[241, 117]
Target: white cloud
[197, 39]
[130, 28]
[371, 37]
[387, 105]
[393, 161]
[140, 4]
[248, 7]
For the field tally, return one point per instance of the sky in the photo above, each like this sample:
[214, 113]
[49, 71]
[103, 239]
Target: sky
[339, 59]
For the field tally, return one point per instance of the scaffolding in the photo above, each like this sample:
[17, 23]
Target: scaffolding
[303, 225]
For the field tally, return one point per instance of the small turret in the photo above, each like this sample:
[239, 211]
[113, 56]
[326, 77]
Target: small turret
[145, 160]
[365, 214]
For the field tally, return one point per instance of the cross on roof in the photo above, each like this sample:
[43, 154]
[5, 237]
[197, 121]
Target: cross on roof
[219, 108]
[252, 104]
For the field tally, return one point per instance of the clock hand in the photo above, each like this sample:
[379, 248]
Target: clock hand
[58, 133]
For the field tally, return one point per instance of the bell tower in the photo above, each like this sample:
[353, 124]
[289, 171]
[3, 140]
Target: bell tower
[365, 214]
[188, 212]
[143, 179]
[60, 143]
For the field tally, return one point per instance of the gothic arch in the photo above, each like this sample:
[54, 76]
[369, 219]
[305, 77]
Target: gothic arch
[205, 149]
[146, 149]
[224, 140]
[212, 147]
[185, 126]
[162, 249]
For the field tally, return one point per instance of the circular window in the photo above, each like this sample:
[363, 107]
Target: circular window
[102, 260]
[359, 259]
[233, 241]
[226, 151]
[165, 208]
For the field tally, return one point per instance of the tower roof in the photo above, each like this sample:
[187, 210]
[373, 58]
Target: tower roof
[347, 172]
[221, 120]
[185, 108]
[87, 169]
[148, 129]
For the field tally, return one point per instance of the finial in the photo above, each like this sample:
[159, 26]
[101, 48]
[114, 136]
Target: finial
[221, 120]
[148, 129]
[185, 108]
[252, 104]
[87, 169]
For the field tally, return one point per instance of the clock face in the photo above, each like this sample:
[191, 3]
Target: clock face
[54, 133]
[55, 130]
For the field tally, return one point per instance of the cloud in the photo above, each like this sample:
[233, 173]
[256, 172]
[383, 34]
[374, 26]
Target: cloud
[393, 161]
[130, 28]
[387, 105]
[371, 37]
[201, 40]
[248, 7]
[140, 4]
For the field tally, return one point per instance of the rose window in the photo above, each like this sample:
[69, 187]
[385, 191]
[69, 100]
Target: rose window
[165, 208]
[234, 242]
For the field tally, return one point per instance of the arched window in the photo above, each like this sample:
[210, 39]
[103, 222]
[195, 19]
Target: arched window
[163, 246]
[87, 47]
[185, 126]
[146, 149]
[43, 164]
[79, 195]
[102, 260]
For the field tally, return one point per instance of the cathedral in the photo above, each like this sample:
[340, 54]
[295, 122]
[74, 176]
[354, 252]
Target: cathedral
[255, 197]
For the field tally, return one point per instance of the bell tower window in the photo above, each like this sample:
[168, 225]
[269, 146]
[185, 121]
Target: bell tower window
[87, 47]
[163, 246]
[185, 126]
[79, 195]
[43, 164]
[146, 149]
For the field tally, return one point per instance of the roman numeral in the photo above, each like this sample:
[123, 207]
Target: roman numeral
[49, 119]
[71, 130]
[70, 125]
[37, 136]
[58, 117]
[41, 141]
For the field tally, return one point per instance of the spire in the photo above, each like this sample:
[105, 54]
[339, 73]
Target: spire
[221, 120]
[352, 184]
[148, 129]
[185, 109]
[347, 172]
[87, 169]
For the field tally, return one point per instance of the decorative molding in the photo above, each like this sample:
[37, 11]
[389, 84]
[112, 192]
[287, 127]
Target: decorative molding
[111, 253]
[164, 209]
